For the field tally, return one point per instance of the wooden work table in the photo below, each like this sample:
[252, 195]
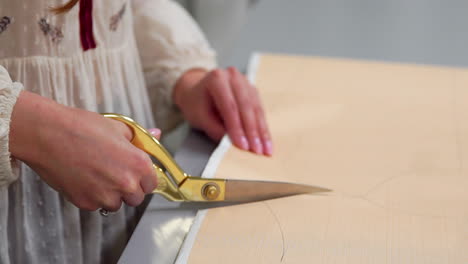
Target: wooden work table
[389, 139]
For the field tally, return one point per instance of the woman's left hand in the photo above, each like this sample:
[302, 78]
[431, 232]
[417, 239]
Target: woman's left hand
[223, 101]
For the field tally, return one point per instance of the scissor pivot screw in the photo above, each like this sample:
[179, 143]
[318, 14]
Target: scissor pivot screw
[210, 191]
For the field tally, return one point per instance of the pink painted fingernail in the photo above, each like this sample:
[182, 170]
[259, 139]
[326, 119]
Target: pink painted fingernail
[244, 143]
[268, 148]
[257, 148]
[155, 132]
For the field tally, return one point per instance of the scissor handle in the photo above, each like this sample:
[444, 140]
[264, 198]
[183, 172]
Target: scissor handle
[166, 187]
[142, 139]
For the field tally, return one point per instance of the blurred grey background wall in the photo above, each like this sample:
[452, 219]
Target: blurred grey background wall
[222, 22]
[416, 31]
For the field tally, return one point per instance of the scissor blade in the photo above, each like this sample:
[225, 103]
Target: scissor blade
[251, 191]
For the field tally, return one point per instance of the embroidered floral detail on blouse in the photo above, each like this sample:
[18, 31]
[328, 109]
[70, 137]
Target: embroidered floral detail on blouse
[4, 22]
[115, 19]
[53, 32]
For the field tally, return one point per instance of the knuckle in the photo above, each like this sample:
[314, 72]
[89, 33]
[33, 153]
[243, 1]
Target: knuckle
[139, 164]
[112, 203]
[245, 105]
[217, 74]
[132, 203]
[129, 182]
[139, 200]
[148, 169]
[232, 106]
[237, 72]
[134, 200]
[150, 185]
[125, 130]
[140, 159]
[234, 72]
[144, 165]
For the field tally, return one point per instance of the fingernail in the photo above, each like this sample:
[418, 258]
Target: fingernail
[268, 148]
[257, 146]
[244, 143]
[154, 132]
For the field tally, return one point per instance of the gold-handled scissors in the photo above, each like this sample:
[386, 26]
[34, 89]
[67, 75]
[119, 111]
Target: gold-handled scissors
[176, 185]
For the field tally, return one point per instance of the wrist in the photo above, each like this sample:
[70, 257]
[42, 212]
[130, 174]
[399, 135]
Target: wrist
[31, 119]
[187, 81]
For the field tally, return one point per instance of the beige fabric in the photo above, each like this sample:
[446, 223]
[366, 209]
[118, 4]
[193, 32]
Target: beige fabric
[42, 51]
[389, 139]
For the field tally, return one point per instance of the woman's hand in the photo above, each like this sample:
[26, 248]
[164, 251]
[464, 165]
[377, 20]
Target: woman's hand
[86, 157]
[223, 101]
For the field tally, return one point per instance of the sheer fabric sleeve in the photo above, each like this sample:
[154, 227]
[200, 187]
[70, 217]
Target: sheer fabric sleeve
[9, 92]
[170, 43]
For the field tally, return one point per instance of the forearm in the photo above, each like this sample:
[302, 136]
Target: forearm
[32, 117]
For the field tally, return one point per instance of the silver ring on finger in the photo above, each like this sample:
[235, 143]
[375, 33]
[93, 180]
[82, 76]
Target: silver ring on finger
[104, 212]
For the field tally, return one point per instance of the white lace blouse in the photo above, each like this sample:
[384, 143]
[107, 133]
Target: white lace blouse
[143, 47]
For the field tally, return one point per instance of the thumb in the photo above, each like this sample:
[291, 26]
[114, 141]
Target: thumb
[155, 132]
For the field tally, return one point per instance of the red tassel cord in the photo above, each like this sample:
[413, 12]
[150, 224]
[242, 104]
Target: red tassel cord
[86, 25]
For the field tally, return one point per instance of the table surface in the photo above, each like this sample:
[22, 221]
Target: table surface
[387, 138]
[429, 32]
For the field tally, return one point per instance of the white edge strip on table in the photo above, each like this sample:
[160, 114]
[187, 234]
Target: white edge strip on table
[254, 61]
[210, 171]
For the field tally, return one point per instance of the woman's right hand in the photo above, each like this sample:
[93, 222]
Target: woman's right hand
[84, 156]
